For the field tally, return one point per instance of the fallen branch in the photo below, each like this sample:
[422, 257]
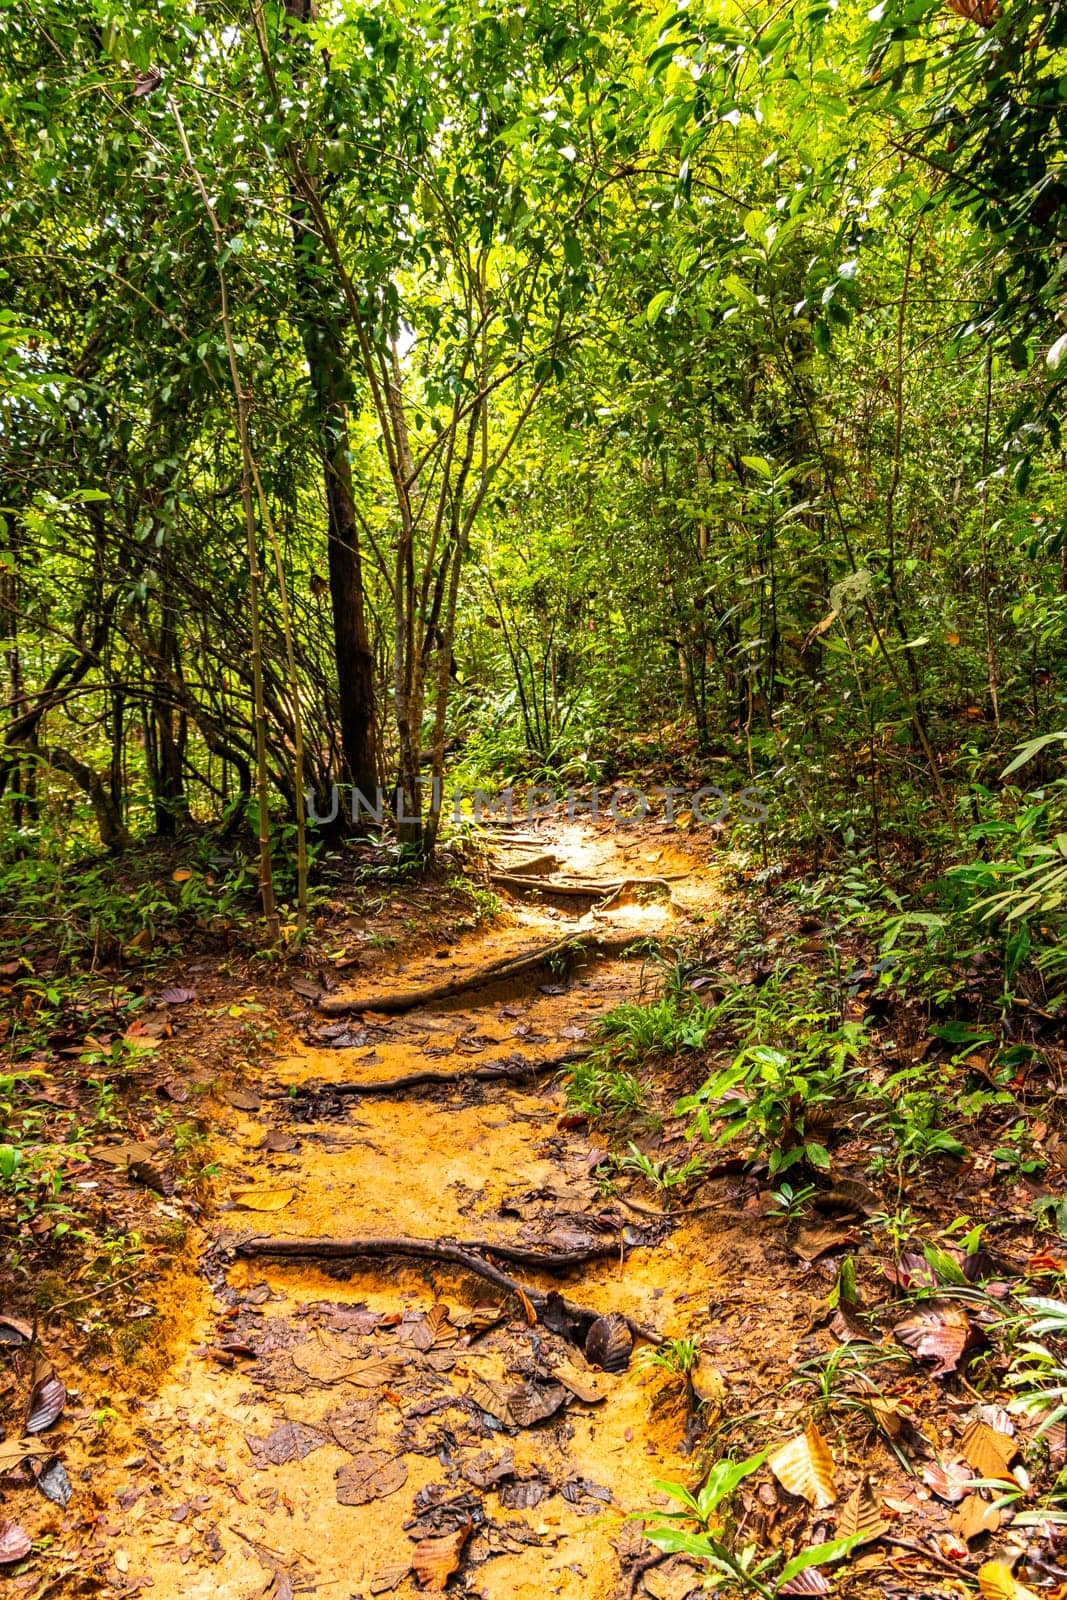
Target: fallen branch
[498, 1072]
[465, 1256]
[495, 972]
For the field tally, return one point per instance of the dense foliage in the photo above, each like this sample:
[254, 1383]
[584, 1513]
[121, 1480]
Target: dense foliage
[527, 392]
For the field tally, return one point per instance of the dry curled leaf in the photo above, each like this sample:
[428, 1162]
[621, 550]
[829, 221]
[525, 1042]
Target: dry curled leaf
[13, 1330]
[939, 1332]
[804, 1466]
[47, 1398]
[435, 1560]
[370, 1476]
[609, 1342]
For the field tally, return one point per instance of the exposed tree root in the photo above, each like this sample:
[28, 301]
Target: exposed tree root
[573, 888]
[462, 1255]
[495, 972]
[497, 1072]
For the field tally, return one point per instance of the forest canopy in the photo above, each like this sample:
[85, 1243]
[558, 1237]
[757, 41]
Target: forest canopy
[394, 390]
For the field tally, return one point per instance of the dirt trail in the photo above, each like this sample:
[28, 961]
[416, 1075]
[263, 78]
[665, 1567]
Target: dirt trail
[359, 1389]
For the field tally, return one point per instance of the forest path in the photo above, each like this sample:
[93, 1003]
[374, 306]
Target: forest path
[391, 1403]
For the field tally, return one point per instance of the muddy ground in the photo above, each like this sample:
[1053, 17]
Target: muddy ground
[349, 1425]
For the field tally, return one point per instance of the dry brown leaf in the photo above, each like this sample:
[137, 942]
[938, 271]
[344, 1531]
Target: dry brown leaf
[939, 1332]
[435, 1560]
[974, 1516]
[861, 1515]
[533, 1402]
[387, 1578]
[370, 1476]
[997, 1582]
[15, 1543]
[609, 1342]
[323, 1363]
[262, 1199]
[804, 1466]
[590, 1387]
[372, 1374]
[989, 1451]
[48, 1396]
[487, 1397]
[949, 1483]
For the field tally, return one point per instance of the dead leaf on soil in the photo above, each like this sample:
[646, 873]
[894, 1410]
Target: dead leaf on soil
[288, 1441]
[15, 1543]
[609, 1342]
[589, 1387]
[14, 1451]
[530, 1403]
[488, 1398]
[950, 1483]
[435, 1560]
[939, 1332]
[13, 1330]
[47, 1398]
[433, 1329]
[810, 1582]
[485, 1469]
[804, 1466]
[996, 1581]
[389, 1578]
[975, 1516]
[323, 1363]
[175, 995]
[242, 1099]
[989, 1451]
[262, 1199]
[861, 1515]
[812, 1244]
[372, 1374]
[370, 1476]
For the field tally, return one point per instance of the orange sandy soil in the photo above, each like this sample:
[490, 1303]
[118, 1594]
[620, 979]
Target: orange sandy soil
[278, 1392]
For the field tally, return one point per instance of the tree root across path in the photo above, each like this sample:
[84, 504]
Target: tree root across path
[495, 1072]
[468, 1256]
[494, 972]
[575, 888]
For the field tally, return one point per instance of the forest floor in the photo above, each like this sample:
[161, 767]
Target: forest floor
[385, 1413]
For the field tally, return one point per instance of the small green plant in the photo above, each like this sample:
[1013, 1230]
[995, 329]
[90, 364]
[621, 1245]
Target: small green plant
[716, 1539]
[662, 1175]
[676, 1356]
[595, 1088]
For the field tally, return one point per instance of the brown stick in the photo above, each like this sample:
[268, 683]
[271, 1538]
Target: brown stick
[495, 972]
[499, 1072]
[431, 1250]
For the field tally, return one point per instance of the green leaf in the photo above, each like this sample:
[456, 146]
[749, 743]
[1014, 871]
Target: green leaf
[656, 305]
[820, 1555]
[723, 1479]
